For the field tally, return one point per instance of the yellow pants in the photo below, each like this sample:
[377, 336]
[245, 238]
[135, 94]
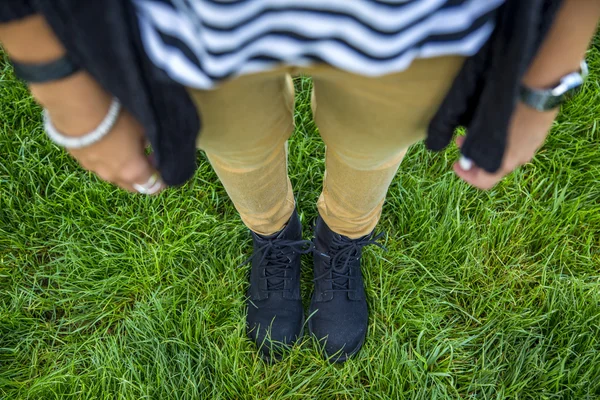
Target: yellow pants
[367, 125]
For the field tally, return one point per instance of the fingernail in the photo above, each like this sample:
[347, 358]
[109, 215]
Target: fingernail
[156, 187]
[465, 163]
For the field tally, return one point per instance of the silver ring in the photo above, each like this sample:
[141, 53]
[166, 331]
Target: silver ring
[152, 185]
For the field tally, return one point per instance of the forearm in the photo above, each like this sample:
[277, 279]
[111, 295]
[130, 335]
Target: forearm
[566, 43]
[77, 103]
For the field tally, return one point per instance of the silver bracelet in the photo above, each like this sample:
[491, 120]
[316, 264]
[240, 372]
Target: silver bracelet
[78, 142]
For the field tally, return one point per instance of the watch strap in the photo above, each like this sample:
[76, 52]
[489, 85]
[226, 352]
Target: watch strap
[45, 72]
[540, 100]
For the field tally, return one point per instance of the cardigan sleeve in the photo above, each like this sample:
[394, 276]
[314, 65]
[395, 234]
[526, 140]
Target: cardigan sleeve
[15, 9]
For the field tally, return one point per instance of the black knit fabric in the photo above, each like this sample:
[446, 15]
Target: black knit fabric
[15, 9]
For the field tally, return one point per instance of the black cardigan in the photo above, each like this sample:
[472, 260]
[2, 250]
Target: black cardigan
[103, 37]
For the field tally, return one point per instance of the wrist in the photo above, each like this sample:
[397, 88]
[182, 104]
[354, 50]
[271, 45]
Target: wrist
[89, 138]
[565, 44]
[76, 104]
[547, 77]
[553, 96]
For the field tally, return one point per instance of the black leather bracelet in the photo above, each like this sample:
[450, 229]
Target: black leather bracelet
[45, 72]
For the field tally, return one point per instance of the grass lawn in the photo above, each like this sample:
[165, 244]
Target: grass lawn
[481, 295]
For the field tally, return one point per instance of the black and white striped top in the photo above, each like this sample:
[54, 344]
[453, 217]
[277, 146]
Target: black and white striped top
[201, 42]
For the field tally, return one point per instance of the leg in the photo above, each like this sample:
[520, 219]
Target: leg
[367, 125]
[246, 123]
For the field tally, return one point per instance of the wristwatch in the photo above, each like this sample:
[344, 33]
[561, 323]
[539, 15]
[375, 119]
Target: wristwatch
[551, 98]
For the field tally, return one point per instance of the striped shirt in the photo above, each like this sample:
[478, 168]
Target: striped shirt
[202, 42]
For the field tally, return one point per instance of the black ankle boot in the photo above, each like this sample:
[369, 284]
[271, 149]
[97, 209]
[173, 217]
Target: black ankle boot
[275, 314]
[338, 313]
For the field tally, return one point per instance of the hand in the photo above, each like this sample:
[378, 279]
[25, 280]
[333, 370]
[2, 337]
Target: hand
[527, 132]
[77, 104]
[120, 156]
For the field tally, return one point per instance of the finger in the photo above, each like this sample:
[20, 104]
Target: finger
[102, 173]
[125, 187]
[468, 176]
[152, 186]
[136, 170]
[465, 163]
[477, 177]
[141, 177]
[105, 175]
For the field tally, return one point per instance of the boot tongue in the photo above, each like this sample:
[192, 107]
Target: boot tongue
[324, 237]
[270, 259]
[289, 231]
[331, 243]
[341, 263]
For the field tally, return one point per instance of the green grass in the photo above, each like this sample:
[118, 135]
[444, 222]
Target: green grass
[481, 295]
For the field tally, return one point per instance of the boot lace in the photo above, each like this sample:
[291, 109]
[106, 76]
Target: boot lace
[276, 259]
[345, 252]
